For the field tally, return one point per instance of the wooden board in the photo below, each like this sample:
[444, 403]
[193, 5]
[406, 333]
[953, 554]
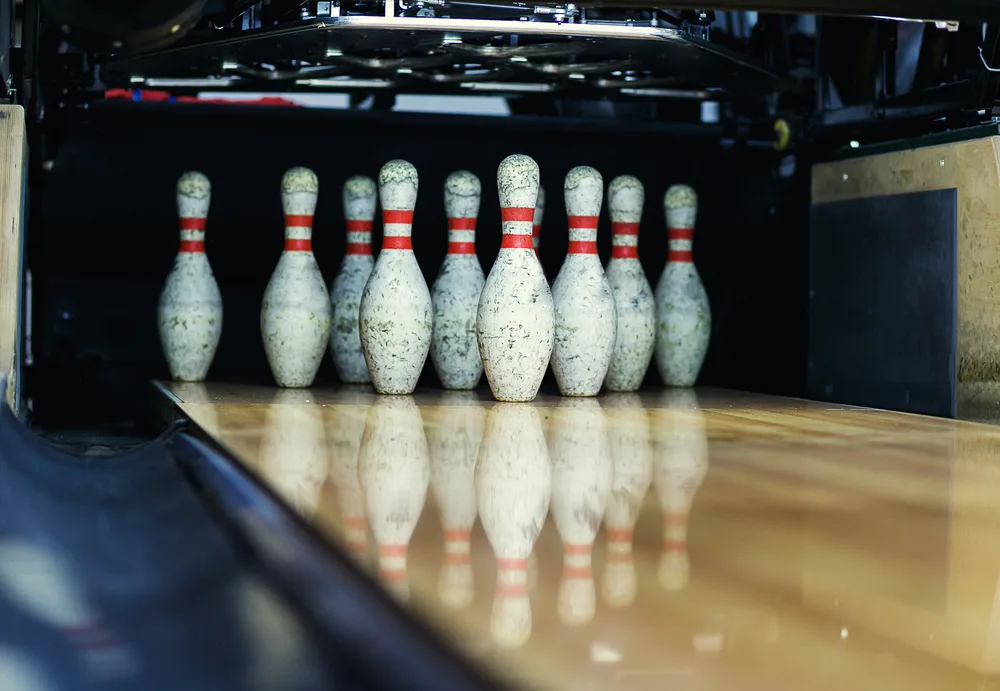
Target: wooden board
[973, 169]
[13, 164]
[828, 546]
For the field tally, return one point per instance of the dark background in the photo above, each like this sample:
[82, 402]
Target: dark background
[103, 232]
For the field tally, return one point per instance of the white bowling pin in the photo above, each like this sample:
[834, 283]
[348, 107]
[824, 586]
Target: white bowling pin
[396, 316]
[683, 316]
[296, 314]
[394, 472]
[586, 320]
[190, 312]
[582, 473]
[293, 454]
[515, 319]
[456, 291]
[679, 467]
[513, 482]
[344, 430]
[349, 284]
[453, 438]
[18, 672]
[632, 453]
[39, 582]
[536, 222]
[634, 304]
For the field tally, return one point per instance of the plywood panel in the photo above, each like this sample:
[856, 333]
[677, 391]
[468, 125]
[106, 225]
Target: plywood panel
[13, 159]
[970, 167]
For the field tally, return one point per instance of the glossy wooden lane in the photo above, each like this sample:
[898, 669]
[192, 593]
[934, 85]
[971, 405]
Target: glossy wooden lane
[777, 543]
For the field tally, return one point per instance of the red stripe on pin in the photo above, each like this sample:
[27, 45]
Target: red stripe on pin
[536, 230]
[393, 575]
[576, 550]
[518, 214]
[514, 241]
[624, 252]
[461, 248]
[582, 247]
[457, 535]
[504, 591]
[392, 550]
[359, 248]
[512, 564]
[397, 242]
[676, 519]
[624, 228]
[359, 226]
[399, 216]
[192, 246]
[583, 222]
[683, 256]
[619, 535]
[680, 233]
[577, 572]
[356, 522]
[300, 245]
[461, 224]
[192, 224]
[298, 221]
[675, 545]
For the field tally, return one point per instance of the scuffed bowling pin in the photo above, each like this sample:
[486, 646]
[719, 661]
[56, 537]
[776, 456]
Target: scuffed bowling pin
[395, 316]
[190, 312]
[515, 320]
[679, 467]
[296, 314]
[536, 223]
[349, 284]
[634, 304]
[394, 472]
[582, 473]
[293, 452]
[513, 482]
[683, 317]
[456, 291]
[453, 436]
[632, 453]
[586, 321]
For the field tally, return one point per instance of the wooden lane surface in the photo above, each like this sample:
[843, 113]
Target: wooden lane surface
[780, 544]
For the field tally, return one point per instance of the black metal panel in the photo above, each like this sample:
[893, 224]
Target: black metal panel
[965, 10]
[883, 294]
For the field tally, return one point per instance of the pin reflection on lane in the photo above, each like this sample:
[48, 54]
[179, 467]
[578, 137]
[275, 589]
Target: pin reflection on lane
[632, 453]
[680, 466]
[345, 429]
[454, 434]
[581, 482]
[394, 472]
[293, 452]
[513, 483]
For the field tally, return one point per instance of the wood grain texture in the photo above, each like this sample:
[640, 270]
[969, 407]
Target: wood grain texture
[13, 153]
[973, 169]
[824, 546]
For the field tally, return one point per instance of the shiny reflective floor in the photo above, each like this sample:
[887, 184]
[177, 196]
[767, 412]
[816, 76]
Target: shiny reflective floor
[674, 539]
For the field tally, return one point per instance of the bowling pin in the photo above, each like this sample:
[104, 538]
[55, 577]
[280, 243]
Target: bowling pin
[632, 454]
[454, 437]
[293, 453]
[582, 473]
[344, 429]
[679, 467]
[190, 312]
[515, 319]
[456, 291]
[634, 304]
[513, 480]
[395, 316]
[585, 316]
[296, 314]
[345, 293]
[683, 317]
[536, 223]
[394, 472]
[43, 585]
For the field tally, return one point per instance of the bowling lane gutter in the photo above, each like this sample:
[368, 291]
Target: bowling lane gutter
[354, 616]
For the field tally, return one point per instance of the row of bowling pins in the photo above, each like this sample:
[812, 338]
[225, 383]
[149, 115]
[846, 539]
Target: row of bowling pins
[595, 466]
[382, 323]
